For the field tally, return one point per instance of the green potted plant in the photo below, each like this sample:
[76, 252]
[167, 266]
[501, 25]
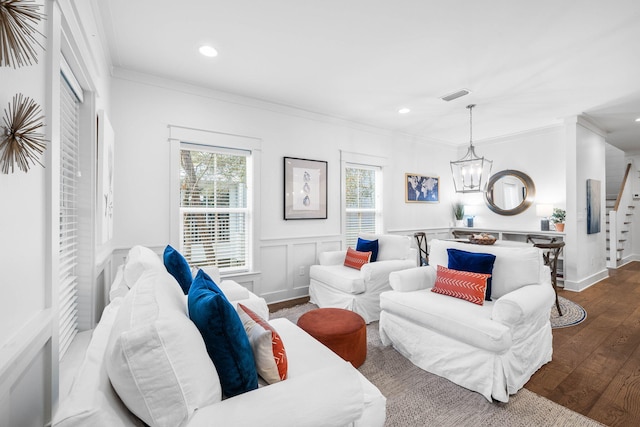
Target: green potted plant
[558, 217]
[458, 213]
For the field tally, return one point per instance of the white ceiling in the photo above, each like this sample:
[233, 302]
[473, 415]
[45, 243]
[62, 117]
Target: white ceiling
[529, 64]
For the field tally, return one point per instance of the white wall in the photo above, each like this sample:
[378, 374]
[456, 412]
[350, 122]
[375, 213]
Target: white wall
[24, 309]
[539, 154]
[585, 255]
[29, 217]
[615, 165]
[144, 106]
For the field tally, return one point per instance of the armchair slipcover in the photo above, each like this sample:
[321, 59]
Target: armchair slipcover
[493, 348]
[334, 285]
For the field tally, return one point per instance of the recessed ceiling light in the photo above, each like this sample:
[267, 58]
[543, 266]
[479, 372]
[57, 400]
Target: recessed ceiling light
[638, 119]
[208, 51]
[404, 110]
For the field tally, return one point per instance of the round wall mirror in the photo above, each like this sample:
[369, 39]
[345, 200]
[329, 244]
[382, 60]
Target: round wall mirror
[509, 192]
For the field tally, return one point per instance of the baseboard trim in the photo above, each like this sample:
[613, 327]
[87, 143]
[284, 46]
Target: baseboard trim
[581, 285]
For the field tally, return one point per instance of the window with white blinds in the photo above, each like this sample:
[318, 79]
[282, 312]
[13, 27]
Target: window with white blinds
[68, 251]
[214, 208]
[362, 208]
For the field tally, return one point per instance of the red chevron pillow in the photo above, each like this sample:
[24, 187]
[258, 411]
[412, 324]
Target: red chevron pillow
[268, 349]
[461, 284]
[355, 259]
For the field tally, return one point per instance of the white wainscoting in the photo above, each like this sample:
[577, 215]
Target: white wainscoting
[282, 268]
[277, 270]
[284, 264]
[26, 372]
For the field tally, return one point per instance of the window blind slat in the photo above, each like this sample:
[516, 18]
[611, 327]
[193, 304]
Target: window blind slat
[68, 235]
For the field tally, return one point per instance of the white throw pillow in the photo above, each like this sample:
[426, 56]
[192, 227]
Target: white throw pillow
[233, 290]
[119, 286]
[92, 401]
[156, 358]
[140, 259]
[390, 246]
[212, 271]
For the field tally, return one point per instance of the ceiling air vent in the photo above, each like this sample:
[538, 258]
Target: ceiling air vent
[456, 95]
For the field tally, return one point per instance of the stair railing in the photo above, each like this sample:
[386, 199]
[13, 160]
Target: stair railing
[617, 218]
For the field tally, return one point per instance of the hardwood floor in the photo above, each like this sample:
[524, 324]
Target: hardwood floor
[596, 365]
[286, 304]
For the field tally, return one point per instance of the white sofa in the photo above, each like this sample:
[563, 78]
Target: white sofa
[334, 285]
[321, 389]
[493, 348]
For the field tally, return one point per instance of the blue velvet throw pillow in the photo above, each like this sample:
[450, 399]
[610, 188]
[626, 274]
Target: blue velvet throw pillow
[224, 336]
[368, 246]
[178, 267]
[472, 262]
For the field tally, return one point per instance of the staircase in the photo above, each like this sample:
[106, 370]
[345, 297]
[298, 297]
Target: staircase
[619, 216]
[623, 231]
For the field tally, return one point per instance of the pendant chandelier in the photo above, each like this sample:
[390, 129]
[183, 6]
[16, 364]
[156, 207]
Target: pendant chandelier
[470, 173]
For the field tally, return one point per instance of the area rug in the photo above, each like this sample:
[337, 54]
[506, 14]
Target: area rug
[419, 398]
[572, 314]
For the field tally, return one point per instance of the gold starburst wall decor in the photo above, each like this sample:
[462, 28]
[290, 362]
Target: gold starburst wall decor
[20, 143]
[18, 28]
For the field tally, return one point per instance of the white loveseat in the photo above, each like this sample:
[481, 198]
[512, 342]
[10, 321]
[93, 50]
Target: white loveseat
[334, 285]
[321, 389]
[492, 348]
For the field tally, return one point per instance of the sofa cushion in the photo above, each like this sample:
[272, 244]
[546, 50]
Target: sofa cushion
[178, 267]
[473, 262]
[92, 400]
[390, 246]
[515, 266]
[452, 317]
[368, 246]
[355, 259]
[268, 348]
[224, 336]
[156, 358]
[461, 284]
[339, 277]
[140, 259]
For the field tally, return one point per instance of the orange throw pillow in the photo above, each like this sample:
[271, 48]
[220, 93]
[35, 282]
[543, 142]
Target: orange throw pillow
[461, 284]
[355, 259]
[267, 346]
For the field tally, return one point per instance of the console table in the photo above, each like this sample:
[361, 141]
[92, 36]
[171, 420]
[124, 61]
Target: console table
[520, 236]
[512, 235]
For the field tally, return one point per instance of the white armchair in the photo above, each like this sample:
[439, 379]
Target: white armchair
[334, 285]
[493, 348]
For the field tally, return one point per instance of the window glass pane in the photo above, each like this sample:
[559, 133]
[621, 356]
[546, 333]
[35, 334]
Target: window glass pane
[213, 205]
[361, 188]
[213, 179]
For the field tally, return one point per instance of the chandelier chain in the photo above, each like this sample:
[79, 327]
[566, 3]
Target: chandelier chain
[470, 107]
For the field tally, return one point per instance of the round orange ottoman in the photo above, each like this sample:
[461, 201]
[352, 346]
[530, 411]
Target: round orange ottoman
[343, 331]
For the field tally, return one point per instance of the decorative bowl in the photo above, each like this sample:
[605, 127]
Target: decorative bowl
[482, 239]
